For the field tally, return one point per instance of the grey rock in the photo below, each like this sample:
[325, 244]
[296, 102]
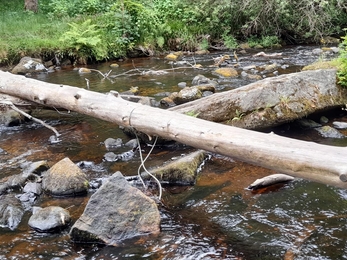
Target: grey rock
[11, 211]
[182, 84]
[28, 65]
[131, 143]
[113, 143]
[110, 157]
[49, 219]
[116, 211]
[308, 123]
[340, 125]
[329, 132]
[33, 187]
[35, 168]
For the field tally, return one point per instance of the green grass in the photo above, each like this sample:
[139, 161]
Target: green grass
[24, 33]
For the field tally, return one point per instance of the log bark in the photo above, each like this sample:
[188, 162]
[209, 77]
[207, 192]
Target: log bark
[271, 101]
[308, 160]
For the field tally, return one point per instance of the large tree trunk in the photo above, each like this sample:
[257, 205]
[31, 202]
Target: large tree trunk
[307, 160]
[31, 5]
[271, 101]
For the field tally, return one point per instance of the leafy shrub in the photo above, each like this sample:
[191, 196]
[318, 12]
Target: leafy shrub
[342, 72]
[61, 8]
[264, 41]
[84, 40]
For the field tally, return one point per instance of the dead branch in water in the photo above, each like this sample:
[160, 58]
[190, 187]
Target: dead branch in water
[12, 106]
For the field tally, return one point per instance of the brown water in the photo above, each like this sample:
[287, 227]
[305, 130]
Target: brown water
[215, 219]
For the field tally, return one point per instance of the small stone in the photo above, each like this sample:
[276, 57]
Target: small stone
[33, 187]
[226, 72]
[84, 70]
[329, 132]
[202, 52]
[49, 219]
[110, 157]
[132, 143]
[171, 57]
[113, 143]
[323, 120]
[340, 125]
[182, 84]
[114, 65]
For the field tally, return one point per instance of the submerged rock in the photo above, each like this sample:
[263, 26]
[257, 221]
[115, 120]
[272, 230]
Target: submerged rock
[49, 219]
[116, 211]
[65, 179]
[11, 211]
[227, 72]
[180, 171]
[329, 132]
[307, 123]
[113, 143]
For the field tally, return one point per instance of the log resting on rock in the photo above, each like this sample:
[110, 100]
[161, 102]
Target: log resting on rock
[272, 101]
[301, 159]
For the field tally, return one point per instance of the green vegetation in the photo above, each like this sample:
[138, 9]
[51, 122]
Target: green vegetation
[342, 73]
[104, 29]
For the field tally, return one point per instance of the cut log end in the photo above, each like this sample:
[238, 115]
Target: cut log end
[343, 177]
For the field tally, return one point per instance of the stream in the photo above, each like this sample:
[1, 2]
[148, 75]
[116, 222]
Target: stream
[217, 218]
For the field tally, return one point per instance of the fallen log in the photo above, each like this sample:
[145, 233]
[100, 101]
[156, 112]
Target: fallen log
[308, 160]
[271, 101]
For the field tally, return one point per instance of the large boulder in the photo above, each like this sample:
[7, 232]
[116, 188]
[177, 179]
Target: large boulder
[65, 179]
[116, 211]
[49, 219]
[28, 65]
[11, 211]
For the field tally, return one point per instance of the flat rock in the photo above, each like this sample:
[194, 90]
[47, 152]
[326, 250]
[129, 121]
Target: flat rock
[180, 171]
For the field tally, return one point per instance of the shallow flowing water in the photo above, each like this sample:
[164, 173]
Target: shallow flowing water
[218, 218]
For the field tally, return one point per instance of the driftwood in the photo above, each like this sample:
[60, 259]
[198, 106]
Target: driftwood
[297, 158]
[270, 180]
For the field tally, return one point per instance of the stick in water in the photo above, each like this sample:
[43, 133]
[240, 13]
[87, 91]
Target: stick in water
[10, 104]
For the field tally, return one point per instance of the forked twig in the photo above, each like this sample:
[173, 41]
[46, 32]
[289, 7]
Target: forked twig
[10, 104]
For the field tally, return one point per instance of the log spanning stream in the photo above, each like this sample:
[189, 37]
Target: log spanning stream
[218, 218]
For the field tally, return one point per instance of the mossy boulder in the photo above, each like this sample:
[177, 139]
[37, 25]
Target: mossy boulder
[65, 179]
[181, 171]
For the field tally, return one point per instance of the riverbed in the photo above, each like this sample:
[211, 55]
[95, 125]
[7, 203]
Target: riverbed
[217, 218]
